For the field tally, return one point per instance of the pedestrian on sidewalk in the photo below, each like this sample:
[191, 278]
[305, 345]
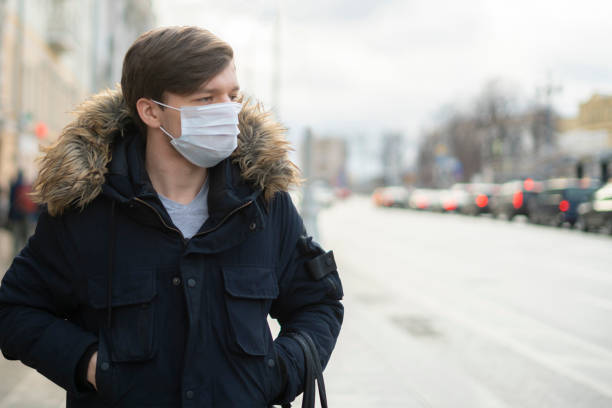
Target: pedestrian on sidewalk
[23, 212]
[167, 239]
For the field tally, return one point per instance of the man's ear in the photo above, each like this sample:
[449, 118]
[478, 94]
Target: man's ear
[149, 112]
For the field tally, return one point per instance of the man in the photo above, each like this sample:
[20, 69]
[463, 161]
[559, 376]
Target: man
[166, 241]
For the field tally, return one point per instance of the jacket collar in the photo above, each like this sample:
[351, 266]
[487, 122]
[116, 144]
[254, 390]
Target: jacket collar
[232, 202]
[101, 151]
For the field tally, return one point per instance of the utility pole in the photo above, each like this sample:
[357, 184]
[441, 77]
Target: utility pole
[2, 112]
[95, 31]
[18, 79]
[392, 158]
[548, 90]
[276, 55]
[309, 207]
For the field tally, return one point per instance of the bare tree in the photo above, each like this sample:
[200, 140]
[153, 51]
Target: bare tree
[465, 144]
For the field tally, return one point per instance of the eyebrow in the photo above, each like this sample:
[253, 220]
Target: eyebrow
[215, 90]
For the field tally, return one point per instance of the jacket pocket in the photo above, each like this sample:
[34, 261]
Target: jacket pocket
[249, 292]
[131, 336]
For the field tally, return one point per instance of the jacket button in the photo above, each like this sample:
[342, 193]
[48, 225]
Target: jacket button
[253, 226]
[104, 366]
[189, 394]
[191, 282]
[176, 281]
[271, 363]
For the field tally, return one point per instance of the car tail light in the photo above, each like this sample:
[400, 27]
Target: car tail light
[376, 198]
[422, 203]
[450, 205]
[529, 184]
[517, 200]
[482, 200]
[564, 205]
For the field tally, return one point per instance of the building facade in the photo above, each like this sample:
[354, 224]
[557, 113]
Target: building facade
[53, 54]
[328, 160]
[594, 117]
[587, 138]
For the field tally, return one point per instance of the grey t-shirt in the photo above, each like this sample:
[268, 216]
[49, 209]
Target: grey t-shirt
[188, 217]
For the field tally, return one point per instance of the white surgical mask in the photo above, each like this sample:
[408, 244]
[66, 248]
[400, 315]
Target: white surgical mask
[209, 133]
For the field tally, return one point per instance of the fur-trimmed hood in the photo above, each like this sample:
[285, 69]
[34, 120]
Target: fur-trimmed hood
[73, 170]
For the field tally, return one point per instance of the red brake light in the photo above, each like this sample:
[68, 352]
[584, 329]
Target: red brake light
[482, 200]
[564, 205]
[450, 205]
[529, 184]
[517, 200]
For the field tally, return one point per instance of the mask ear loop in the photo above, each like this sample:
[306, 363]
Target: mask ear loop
[167, 106]
[166, 132]
[161, 127]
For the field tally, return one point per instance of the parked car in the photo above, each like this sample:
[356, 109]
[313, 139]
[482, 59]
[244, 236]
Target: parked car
[342, 192]
[425, 199]
[479, 198]
[559, 200]
[596, 213]
[391, 196]
[455, 198]
[322, 193]
[513, 198]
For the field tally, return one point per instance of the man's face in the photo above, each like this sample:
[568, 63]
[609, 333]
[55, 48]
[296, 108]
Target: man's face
[221, 88]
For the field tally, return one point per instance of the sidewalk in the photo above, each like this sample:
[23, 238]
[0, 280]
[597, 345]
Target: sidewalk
[21, 386]
[365, 370]
[6, 250]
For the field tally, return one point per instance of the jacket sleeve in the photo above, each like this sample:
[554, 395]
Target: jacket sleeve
[36, 298]
[305, 303]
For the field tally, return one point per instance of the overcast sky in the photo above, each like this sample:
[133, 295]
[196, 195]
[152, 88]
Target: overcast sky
[367, 66]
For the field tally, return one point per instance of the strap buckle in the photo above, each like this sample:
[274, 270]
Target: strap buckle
[322, 265]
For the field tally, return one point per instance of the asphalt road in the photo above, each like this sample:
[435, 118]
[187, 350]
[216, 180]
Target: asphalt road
[449, 311]
[471, 311]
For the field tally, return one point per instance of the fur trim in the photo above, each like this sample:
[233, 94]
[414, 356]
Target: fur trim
[262, 151]
[73, 169]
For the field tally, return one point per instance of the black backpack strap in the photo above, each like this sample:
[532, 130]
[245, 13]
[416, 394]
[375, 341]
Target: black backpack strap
[313, 371]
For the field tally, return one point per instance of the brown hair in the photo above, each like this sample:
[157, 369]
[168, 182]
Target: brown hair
[171, 59]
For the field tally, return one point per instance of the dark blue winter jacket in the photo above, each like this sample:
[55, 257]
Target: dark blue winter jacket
[176, 322]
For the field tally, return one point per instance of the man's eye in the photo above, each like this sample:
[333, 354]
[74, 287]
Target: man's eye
[206, 99]
[233, 97]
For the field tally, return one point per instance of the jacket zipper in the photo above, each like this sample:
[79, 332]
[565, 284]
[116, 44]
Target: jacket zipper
[234, 211]
[160, 217]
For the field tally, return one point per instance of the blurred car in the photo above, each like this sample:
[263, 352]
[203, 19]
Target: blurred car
[455, 198]
[391, 196]
[596, 213]
[559, 200]
[479, 198]
[425, 199]
[342, 192]
[513, 198]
